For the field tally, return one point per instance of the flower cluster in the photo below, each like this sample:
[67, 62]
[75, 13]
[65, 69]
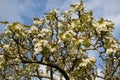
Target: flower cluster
[1, 61]
[52, 14]
[87, 61]
[102, 25]
[40, 21]
[78, 7]
[114, 46]
[39, 44]
[68, 35]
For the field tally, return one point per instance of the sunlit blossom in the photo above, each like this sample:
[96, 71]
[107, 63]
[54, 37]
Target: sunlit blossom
[34, 28]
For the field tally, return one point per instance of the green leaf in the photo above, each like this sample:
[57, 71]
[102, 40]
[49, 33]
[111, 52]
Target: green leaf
[89, 77]
[91, 13]
[4, 22]
[86, 43]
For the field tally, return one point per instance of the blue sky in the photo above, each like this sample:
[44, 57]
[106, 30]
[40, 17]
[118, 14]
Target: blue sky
[24, 10]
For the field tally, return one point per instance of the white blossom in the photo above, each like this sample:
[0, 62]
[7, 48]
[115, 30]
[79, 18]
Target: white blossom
[37, 48]
[42, 21]
[53, 49]
[110, 50]
[80, 40]
[45, 30]
[73, 25]
[59, 40]
[44, 42]
[54, 11]
[87, 61]
[83, 64]
[37, 22]
[5, 46]
[6, 32]
[19, 26]
[41, 34]
[72, 32]
[68, 34]
[34, 28]
[1, 57]
[103, 26]
[1, 61]
[100, 27]
[38, 45]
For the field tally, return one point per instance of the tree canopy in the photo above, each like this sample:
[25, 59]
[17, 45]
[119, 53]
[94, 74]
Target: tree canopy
[57, 46]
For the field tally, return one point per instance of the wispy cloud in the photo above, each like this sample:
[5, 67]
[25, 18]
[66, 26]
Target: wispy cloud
[99, 72]
[62, 5]
[9, 10]
[108, 9]
[18, 10]
[21, 10]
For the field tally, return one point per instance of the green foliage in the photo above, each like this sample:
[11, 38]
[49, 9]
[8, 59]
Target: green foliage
[60, 43]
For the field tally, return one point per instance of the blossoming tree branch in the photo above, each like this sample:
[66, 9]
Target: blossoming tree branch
[56, 47]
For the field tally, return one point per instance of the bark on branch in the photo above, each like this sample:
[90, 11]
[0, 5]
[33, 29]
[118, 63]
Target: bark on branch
[50, 65]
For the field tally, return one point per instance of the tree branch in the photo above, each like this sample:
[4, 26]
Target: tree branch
[50, 65]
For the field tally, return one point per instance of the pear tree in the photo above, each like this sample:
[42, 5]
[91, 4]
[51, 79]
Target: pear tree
[56, 47]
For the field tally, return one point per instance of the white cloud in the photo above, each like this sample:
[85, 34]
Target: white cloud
[62, 5]
[43, 69]
[99, 74]
[11, 10]
[108, 9]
